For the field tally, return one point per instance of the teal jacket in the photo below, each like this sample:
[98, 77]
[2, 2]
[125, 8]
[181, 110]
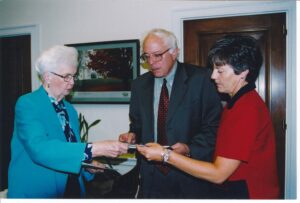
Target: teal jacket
[41, 158]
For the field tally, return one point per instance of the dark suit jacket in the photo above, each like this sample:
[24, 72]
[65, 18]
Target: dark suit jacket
[193, 118]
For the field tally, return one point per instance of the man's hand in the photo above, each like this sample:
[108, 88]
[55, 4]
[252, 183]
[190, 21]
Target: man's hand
[181, 148]
[128, 138]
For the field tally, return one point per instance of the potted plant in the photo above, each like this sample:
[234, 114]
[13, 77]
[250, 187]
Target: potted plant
[84, 127]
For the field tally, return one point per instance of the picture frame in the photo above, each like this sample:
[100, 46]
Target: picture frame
[105, 71]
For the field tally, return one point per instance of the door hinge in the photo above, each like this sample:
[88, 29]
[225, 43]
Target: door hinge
[284, 30]
[284, 125]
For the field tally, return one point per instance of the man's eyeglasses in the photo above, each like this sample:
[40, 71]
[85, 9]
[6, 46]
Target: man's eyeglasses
[155, 57]
[68, 77]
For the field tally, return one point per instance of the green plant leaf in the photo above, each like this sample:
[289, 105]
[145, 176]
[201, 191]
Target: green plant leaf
[94, 123]
[80, 123]
[84, 138]
[84, 127]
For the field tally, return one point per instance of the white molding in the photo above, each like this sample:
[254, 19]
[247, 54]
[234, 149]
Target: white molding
[240, 8]
[33, 31]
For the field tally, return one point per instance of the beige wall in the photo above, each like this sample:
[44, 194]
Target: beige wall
[79, 21]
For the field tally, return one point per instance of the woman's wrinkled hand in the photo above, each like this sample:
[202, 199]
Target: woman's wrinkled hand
[109, 148]
[97, 164]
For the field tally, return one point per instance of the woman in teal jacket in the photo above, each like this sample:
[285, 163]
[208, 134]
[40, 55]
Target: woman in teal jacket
[46, 153]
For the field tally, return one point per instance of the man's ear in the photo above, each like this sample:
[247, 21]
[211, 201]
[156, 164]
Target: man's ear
[175, 53]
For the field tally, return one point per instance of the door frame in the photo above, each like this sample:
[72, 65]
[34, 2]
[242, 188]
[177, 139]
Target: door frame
[33, 31]
[233, 8]
[17, 31]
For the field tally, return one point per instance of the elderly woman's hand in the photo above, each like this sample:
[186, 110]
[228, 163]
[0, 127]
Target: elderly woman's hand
[151, 151]
[96, 170]
[109, 148]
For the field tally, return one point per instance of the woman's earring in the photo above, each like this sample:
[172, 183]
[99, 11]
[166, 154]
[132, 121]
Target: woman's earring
[48, 84]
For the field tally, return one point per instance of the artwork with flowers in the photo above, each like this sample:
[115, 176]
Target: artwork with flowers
[105, 71]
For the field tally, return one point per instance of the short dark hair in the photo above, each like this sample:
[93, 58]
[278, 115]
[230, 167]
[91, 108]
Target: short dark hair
[239, 51]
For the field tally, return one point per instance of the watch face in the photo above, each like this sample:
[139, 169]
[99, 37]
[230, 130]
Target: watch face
[166, 155]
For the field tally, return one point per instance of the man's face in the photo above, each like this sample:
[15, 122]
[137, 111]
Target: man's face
[159, 57]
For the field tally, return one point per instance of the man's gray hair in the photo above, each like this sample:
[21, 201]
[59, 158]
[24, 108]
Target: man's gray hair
[168, 37]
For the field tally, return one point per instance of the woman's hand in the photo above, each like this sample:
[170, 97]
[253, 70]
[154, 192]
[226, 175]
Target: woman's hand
[97, 164]
[151, 151]
[109, 148]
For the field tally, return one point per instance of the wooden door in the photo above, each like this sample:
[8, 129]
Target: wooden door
[270, 31]
[15, 80]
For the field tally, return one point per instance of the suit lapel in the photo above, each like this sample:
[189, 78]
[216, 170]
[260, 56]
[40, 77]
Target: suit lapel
[178, 91]
[147, 93]
[50, 115]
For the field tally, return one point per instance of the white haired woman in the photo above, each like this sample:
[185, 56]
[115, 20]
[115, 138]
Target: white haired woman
[46, 152]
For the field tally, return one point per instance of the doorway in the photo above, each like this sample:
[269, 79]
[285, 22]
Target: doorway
[270, 31]
[15, 80]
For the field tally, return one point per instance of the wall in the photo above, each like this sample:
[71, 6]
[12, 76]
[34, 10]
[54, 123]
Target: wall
[79, 21]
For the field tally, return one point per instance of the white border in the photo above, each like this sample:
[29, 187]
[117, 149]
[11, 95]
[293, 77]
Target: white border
[239, 8]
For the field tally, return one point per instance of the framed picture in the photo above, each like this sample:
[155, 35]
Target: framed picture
[105, 71]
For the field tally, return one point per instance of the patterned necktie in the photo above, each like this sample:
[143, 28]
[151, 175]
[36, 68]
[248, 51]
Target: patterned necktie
[161, 121]
[72, 189]
[64, 120]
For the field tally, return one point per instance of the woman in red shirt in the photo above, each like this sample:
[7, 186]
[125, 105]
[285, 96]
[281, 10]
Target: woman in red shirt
[245, 158]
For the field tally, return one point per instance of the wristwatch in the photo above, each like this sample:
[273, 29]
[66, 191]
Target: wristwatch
[165, 155]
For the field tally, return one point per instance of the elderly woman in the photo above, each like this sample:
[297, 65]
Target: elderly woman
[245, 161]
[46, 151]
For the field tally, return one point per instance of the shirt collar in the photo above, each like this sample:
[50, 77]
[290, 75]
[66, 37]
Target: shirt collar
[170, 77]
[239, 94]
[52, 99]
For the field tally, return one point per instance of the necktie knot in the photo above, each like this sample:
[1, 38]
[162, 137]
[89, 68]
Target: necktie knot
[165, 88]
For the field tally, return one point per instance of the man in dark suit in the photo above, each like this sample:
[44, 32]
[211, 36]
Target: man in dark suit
[192, 117]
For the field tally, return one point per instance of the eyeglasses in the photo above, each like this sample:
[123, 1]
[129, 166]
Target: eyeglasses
[155, 57]
[68, 77]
